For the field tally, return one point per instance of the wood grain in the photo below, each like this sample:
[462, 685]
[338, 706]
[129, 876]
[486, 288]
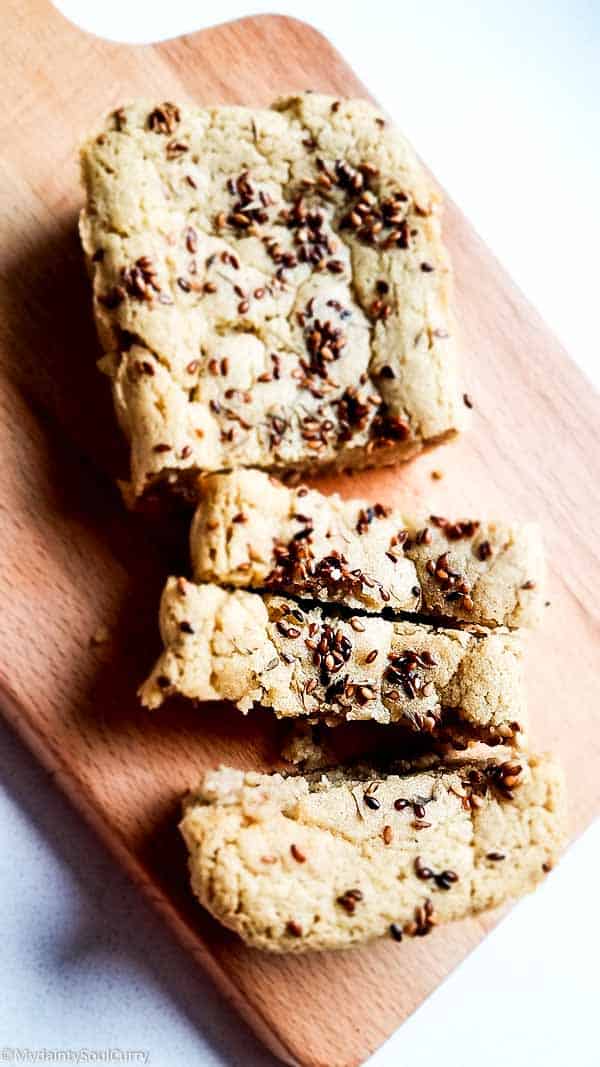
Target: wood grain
[73, 560]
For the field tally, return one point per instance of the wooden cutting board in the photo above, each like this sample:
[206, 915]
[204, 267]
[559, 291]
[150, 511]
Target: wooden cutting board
[74, 560]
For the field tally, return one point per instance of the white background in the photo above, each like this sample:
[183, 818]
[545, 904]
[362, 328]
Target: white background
[502, 99]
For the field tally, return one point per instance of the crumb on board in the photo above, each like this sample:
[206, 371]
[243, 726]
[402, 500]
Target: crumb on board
[100, 636]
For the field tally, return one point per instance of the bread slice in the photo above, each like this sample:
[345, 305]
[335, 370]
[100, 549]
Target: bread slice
[331, 861]
[250, 531]
[312, 663]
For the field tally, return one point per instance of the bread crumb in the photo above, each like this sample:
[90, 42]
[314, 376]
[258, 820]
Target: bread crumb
[100, 636]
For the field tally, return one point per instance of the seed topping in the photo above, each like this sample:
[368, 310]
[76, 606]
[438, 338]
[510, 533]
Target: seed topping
[164, 119]
[405, 669]
[349, 900]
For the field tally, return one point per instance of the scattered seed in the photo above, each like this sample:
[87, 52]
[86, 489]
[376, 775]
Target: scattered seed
[396, 931]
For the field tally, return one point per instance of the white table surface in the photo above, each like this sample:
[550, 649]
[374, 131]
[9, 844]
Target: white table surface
[502, 100]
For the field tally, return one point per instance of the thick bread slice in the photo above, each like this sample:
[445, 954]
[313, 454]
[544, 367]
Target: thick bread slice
[306, 662]
[251, 531]
[297, 863]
